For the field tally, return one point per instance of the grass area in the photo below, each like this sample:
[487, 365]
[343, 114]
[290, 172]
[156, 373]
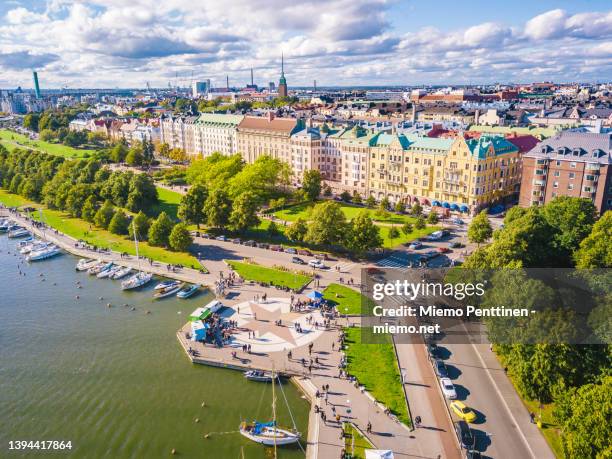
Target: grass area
[258, 273]
[12, 140]
[355, 444]
[168, 202]
[384, 222]
[80, 229]
[550, 429]
[375, 366]
[346, 300]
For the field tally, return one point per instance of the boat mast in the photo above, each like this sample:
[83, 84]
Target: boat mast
[274, 410]
[136, 244]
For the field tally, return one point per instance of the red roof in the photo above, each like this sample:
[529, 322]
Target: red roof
[523, 142]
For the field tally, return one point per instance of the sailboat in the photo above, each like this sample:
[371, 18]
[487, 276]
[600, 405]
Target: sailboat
[140, 278]
[269, 433]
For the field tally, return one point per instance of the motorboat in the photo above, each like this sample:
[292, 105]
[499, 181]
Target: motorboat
[187, 291]
[166, 284]
[258, 375]
[50, 251]
[121, 273]
[108, 272]
[137, 280]
[101, 266]
[268, 433]
[168, 291]
[18, 232]
[85, 263]
[24, 242]
[33, 247]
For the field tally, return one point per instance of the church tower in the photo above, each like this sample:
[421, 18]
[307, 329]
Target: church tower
[282, 83]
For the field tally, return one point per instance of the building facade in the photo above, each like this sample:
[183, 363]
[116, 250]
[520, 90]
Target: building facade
[269, 135]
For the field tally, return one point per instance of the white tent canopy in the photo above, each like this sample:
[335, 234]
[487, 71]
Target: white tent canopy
[378, 454]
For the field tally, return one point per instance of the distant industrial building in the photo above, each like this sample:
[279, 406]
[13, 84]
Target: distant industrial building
[200, 88]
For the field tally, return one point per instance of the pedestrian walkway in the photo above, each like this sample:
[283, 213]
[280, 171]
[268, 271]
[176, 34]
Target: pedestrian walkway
[399, 261]
[343, 267]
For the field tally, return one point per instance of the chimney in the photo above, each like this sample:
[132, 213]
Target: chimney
[270, 116]
[476, 116]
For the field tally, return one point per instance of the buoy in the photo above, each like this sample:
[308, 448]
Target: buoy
[173, 451]
[197, 419]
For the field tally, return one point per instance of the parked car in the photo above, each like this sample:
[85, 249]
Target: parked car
[442, 250]
[316, 264]
[235, 240]
[195, 233]
[221, 238]
[205, 235]
[250, 243]
[304, 252]
[435, 236]
[448, 388]
[464, 434]
[416, 245]
[457, 221]
[290, 250]
[321, 256]
[464, 412]
[455, 245]
[263, 245]
[440, 369]
[298, 261]
[276, 248]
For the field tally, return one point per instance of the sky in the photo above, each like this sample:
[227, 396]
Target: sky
[119, 43]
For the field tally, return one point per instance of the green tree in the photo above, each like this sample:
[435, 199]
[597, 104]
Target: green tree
[30, 121]
[191, 207]
[417, 209]
[272, 229]
[119, 152]
[596, 249]
[384, 205]
[159, 232]
[400, 207]
[327, 192]
[180, 239]
[46, 135]
[297, 231]
[480, 229]
[311, 184]
[142, 192]
[104, 214]
[135, 156]
[328, 224]
[345, 196]
[119, 223]
[141, 224]
[432, 218]
[420, 223]
[393, 233]
[356, 197]
[364, 235]
[407, 228]
[244, 212]
[217, 209]
[371, 202]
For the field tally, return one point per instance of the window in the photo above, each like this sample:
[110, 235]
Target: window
[557, 174]
[570, 186]
[573, 164]
[572, 175]
[555, 184]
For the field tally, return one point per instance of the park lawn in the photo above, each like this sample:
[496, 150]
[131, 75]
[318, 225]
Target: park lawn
[375, 367]
[13, 140]
[347, 300]
[355, 448]
[350, 210]
[80, 229]
[168, 202]
[389, 243]
[258, 273]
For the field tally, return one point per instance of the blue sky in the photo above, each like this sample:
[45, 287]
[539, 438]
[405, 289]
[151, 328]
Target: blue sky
[115, 43]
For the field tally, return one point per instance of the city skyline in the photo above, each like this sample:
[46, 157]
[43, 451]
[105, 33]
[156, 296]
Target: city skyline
[105, 45]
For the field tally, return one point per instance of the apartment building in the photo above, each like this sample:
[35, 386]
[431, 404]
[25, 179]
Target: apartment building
[269, 135]
[217, 133]
[569, 164]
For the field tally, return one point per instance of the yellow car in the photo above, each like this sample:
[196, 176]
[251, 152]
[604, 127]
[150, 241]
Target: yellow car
[465, 413]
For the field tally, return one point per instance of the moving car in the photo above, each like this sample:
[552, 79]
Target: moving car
[448, 388]
[440, 369]
[298, 261]
[416, 245]
[316, 264]
[464, 412]
[464, 434]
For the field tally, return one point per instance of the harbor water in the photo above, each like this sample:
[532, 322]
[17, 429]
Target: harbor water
[114, 381]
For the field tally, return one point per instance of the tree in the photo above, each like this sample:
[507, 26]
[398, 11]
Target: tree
[384, 205]
[164, 150]
[345, 196]
[180, 239]
[135, 156]
[420, 223]
[217, 209]
[364, 235]
[297, 231]
[119, 152]
[371, 202]
[159, 232]
[142, 192]
[311, 184]
[356, 197]
[416, 209]
[119, 223]
[480, 229]
[432, 218]
[104, 214]
[148, 151]
[328, 191]
[244, 212]
[88, 212]
[30, 121]
[407, 228]
[328, 224]
[596, 250]
[400, 207]
[191, 207]
[393, 233]
[272, 229]
[46, 135]
[140, 224]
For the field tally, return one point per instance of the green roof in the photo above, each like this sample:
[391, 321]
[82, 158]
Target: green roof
[480, 147]
[219, 119]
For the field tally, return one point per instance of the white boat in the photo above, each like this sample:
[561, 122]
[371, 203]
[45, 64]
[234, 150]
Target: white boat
[5, 225]
[50, 251]
[85, 263]
[165, 284]
[31, 240]
[268, 434]
[107, 272]
[18, 232]
[33, 247]
[188, 291]
[171, 290]
[102, 265]
[137, 280]
[121, 273]
[258, 375]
